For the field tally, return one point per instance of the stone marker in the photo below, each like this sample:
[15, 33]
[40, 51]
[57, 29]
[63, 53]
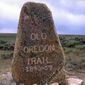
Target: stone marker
[38, 56]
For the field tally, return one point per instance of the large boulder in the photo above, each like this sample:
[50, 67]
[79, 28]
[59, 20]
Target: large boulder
[38, 55]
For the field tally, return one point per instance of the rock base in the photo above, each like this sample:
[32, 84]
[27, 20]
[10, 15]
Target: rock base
[6, 79]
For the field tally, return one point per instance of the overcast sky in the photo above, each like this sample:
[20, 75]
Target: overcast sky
[68, 15]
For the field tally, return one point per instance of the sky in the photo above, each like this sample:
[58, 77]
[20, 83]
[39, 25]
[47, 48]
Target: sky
[68, 15]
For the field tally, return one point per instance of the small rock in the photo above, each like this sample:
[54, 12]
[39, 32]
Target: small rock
[83, 83]
[74, 81]
[7, 79]
[54, 84]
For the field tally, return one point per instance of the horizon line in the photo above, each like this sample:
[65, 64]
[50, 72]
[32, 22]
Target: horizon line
[58, 34]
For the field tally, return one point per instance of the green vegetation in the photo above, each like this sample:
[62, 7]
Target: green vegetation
[73, 45]
[7, 42]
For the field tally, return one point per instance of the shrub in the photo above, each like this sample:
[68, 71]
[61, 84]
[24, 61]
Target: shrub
[2, 42]
[72, 43]
[1, 47]
[8, 46]
[7, 56]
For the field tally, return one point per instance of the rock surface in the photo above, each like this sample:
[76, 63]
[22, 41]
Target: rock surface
[6, 79]
[38, 55]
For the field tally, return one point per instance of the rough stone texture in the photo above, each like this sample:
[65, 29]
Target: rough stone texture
[38, 56]
[8, 80]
